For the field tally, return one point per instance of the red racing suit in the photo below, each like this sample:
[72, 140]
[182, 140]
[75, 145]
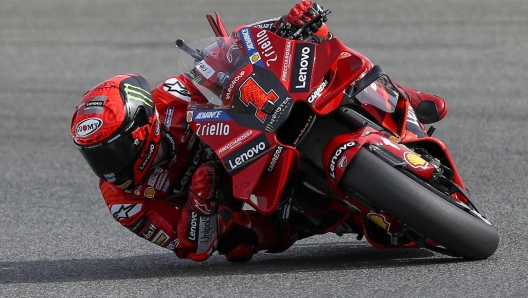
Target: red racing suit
[154, 209]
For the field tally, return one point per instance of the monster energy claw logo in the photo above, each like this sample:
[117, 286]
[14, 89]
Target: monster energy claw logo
[137, 93]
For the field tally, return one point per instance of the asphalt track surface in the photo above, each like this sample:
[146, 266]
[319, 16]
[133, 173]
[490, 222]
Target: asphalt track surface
[57, 238]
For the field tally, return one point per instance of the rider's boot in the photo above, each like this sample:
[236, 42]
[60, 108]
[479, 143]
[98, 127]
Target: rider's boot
[429, 108]
[255, 232]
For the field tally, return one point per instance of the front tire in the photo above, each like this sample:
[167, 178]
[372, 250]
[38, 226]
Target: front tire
[423, 211]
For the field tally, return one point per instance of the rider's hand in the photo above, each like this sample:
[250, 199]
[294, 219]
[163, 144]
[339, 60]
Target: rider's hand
[201, 196]
[305, 11]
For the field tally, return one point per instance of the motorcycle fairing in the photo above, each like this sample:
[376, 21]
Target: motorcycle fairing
[258, 101]
[261, 183]
[291, 61]
[279, 170]
[260, 94]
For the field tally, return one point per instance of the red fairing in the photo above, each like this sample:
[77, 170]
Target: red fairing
[281, 167]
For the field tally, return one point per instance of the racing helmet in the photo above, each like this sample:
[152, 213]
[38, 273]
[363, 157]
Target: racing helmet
[115, 126]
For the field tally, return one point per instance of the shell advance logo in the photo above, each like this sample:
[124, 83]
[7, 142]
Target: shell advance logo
[88, 126]
[249, 44]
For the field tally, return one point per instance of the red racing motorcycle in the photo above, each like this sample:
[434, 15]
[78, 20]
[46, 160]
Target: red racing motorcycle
[315, 135]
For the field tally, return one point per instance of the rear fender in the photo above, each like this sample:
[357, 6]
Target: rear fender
[341, 150]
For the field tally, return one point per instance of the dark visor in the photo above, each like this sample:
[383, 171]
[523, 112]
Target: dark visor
[110, 159]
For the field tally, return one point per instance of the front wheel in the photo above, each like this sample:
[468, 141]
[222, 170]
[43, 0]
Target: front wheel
[421, 210]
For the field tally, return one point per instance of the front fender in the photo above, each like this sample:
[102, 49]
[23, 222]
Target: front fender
[341, 150]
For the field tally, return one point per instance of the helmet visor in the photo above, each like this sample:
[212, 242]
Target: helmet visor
[113, 158]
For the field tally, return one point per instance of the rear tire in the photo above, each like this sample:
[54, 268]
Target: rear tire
[423, 211]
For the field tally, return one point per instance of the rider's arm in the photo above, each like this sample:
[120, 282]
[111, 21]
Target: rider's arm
[177, 90]
[152, 219]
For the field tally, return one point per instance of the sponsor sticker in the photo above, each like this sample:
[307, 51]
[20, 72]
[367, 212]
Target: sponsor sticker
[275, 158]
[286, 61]
[230, 88]
[189, 116]
[88, 127]
[249, 45]
[266, 47]
[212, 129]
[150, 154]
[161, 180]
[254, 58]
[137, 93]
[212, 115]
[379, 220]
[281, 109]
[95, 105]
[160, 238]
[152, 179]
[317, 92]
[252, 93]
[339, 151]
[414, 160]
[235, 142]
[176, 88]
[149, 192]
[302, 68]
[166, 186]
[204, 68]
[203, 208]
[139, 225]
[168, 117]
[207, 233]
[149, 231]
[122, 211]
[110, 177]
[249, 151]
[342, 162]
[192, 227]
[126, 184]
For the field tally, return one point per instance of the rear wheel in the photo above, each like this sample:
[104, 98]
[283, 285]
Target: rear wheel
[426, 214]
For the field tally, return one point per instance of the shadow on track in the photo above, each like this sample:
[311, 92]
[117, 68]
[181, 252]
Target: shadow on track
[302, 257]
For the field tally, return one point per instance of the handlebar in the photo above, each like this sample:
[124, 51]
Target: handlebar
[311, 22]
[180, 43]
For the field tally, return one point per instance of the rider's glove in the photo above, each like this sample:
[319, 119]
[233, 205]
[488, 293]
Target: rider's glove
[201, 192]
[303, 12]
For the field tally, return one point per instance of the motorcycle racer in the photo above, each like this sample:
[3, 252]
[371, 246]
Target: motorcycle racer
[156, 176]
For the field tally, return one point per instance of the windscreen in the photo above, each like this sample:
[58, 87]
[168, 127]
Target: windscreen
[380, 94]
[210, 64]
